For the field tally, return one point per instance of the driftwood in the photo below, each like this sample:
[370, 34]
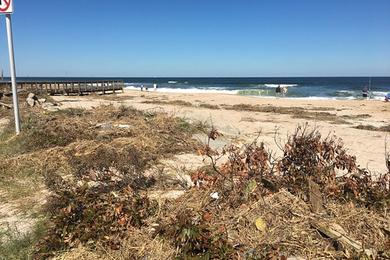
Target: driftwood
[337, 233]
[315, 197]
[5, 105]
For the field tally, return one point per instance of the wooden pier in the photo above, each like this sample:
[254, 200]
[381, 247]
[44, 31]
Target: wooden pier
[66, 87]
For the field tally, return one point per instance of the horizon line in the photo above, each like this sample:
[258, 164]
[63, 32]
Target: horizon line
[388, 76]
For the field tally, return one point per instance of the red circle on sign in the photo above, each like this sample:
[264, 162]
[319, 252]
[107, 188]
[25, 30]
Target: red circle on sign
[7, 4]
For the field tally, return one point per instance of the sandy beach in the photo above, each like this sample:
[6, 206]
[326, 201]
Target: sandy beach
[273, 118]
[195, 130]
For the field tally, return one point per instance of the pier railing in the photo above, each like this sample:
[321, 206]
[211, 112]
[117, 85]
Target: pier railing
[66, 87]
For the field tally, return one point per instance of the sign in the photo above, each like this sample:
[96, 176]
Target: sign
[6, 7]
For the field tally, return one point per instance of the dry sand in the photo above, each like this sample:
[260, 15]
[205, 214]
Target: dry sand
[243, 126]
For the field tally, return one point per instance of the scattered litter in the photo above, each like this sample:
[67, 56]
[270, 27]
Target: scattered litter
[214, 195]
[260, 224]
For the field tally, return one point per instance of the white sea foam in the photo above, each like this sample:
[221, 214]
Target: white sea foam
[304, 98]
[346, 91]
[380, 93]
[347, 94]
[188, 90]
[281, 85]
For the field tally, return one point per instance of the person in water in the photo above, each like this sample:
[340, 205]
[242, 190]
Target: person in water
[365, 92]
[281, 90]
[278, 89]
[387, 97]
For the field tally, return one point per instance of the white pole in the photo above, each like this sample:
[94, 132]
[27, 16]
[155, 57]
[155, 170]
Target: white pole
[13, 72]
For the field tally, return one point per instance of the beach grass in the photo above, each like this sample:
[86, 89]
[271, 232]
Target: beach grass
[17, 245]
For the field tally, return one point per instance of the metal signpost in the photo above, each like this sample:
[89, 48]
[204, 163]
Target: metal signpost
[6, 7]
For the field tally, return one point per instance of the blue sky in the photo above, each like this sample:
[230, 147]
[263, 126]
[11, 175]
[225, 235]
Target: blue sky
[200, 38]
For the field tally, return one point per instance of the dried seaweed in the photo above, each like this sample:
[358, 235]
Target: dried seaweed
[253, 185]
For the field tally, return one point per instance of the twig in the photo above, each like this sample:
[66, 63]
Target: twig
[387, 155]
[277, 142]
[6, 105]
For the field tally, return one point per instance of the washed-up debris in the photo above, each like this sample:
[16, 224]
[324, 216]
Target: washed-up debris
[2, 104]
[98, 189]
[282, 198]
[260, 224]
[108, 125]
[214, 195]
[315, 197]
[31, 99]
[337, 233]
[84, 214]
[251, 206]
[49, 106]
[41, 100]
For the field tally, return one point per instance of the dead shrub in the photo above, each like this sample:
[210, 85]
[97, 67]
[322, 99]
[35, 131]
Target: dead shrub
[308, 155]
[194, 235]
[97, 209]
[263, 203]
[252, 172]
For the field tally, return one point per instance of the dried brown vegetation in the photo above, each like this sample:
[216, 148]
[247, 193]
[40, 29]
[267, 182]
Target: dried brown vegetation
[315, 114]
[171, 102]
[264, 207]
[387, 155]
[92, 162]
[114, 97]
[100, 207]
[313, 202]
[209, 106]
[385, 128]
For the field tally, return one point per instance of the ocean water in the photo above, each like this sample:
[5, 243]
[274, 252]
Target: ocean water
[298, 87]
[308, 88]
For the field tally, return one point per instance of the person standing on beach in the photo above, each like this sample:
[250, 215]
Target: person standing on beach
[155, 87]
